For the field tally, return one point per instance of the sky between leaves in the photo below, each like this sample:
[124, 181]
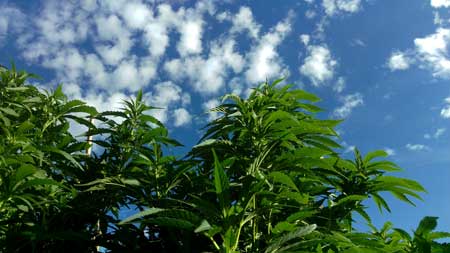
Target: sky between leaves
[382, 65]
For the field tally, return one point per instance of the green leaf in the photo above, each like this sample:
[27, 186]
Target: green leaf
[221, 182]
[303, 95]
[24, 171]
[426, 225]
[374, 154]
[9, 111]
[350, 198]
[171, 223]
[402, 182]
[83, 108]
[65, 155]
[280, 177]
[204, 226]
[380, 202]
[300, 232]
[150, 211]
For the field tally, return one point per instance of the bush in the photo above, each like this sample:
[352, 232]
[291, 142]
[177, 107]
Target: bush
[266, 176]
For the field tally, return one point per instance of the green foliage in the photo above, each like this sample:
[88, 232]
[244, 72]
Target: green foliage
[267, 176]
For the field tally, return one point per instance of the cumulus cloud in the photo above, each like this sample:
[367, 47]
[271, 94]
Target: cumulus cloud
[191, 37]
[440, 3]
[319, 65]
[333, 7]
[432, 51]
[243, 21]
[417, 147]
[181, 117]
[264, 61]
[136, 14]
[207, 75]
[115, 42]
[398, 61]
[305, 38]
[349, 102]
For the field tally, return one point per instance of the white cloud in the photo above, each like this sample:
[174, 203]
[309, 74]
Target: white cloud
[390, 151]
[243, 21]
[191, 37]
[417, 147]
[156, 31]
[136, 15]
[445, 112]
[432, 51]
[340, 85]
[62, 23]
[440, 3]
[156, 36]
[182, 117]
[118, 47]
[304, 38]
[11, 20]
[333, 7]
[437, 134]
[398, 61]
[349, 102]
[165, 95]
[115, 42]
[310, 14]
[264, 61]
[207, 75]
[318, 65]
[358, 42]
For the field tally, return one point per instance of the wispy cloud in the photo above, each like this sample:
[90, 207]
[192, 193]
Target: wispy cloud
[349, 102]
[417, 147]
[436, 135]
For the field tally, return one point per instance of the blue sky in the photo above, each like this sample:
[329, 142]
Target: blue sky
[384, 66]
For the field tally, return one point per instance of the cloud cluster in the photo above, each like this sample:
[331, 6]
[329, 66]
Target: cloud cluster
[114, 48]
[431, 52]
